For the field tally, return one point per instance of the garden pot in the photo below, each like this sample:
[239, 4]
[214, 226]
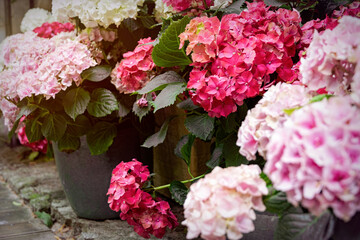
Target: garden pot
[86, 178]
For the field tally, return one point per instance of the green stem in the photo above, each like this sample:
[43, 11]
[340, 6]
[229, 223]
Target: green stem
[185, 181]
[190, 172]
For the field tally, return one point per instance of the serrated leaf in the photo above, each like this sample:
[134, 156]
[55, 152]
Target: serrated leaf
[76, 101]
[187, 104]
[178, 191]
[102, 103]
[216, 157]
[54, 127]
[33, 130]
[276, 3]
[183, 148]
[79, 127]
[45, 218]
[233, 8]
[231, 152]
[320, 97]
[68, 143]
[142, 111]
[168, 95]
[202, 126]
[167, 53]
[277, 203]
[26, 110]
[157, 137]
[295, 224]
[101, 137]
[97, 73]
[160, 81]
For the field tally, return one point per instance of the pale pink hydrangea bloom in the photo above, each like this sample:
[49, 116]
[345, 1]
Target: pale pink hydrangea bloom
[223, 203]
[315, 157]
[9, 111]
[331, 58]
[268, 115]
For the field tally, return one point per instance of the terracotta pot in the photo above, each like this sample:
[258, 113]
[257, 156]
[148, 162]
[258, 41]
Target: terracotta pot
[86, 178]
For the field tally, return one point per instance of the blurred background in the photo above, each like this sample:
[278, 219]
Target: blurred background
[13, 11]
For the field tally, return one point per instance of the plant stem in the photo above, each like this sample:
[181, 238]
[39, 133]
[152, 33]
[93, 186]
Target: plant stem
[185, 181]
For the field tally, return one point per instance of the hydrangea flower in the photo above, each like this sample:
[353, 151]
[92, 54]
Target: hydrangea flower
[268, 115]
[35, 17]
[314, 157]
[37, 146]
[162, 10]
[182, 5]
[48, 30]
[9, 111]
[352, 9]
[223, 203]
[237, 55]
[94, 13]
[133, 72]
[331, 58]
[137, 207]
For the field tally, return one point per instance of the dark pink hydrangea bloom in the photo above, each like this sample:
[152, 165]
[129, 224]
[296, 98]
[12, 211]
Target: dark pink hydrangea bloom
[132, 73]
[137, 207]
[48, 30]
[353, 9]
[38, 146]
[233, 59]
[182, 5]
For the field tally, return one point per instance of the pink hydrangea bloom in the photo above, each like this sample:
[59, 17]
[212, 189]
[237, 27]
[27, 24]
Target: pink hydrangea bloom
[41, 66]
[48, 30]
[237, 58]
[133, 72]
[223, 203]
[9, 111]
[315, 157]
[182, 5]
[38, 146]
[331, 58]
[267, 116]
[137, 207]
[353, 9]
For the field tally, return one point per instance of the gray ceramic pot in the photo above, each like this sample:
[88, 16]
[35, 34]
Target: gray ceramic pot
[86, 178]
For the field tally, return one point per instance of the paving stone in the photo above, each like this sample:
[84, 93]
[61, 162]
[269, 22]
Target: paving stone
[23, 228]
[27, 193]
[15, 216]
[40, 203]
[19, 182]
[32, 236]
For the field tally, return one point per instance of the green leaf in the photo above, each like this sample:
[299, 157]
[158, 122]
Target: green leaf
[320, 97]
[231, 152]
[160, 81]
[202, 126]
[68, 143]
[102, 103]
[76, 101]
[80, 127]
[26, 110]
[178, 191]
[233, 8]
[187, 104]
[295, 224]
[53, 127]
[13, 129]
[100, 137]
[183, 148]
[277, 203]
[45, 218]
[167, 53]
[33, 155]
[216, 157]
[276, 3]
[142, 111]
[33, 130]
[290, 111]
[157, 137]
[168, 95]
[97, 73]
[123, 110]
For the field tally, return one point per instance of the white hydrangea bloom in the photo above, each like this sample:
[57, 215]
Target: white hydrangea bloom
[221, 4]
[35, 17]
[162, 10]
[96, 12]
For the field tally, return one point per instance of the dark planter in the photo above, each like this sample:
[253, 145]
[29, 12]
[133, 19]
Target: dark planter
[86, 178]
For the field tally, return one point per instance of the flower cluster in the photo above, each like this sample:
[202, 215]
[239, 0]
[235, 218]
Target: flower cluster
[320, 166]
[95, 12]
[182, 5]
[133, 72]
[332, 58]
[353, 9]
[48, 30]
[223, 203]
[233, 59]
[41, 66]
[35, 17]
[137, 207]
[37, 146]
[268, 115]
